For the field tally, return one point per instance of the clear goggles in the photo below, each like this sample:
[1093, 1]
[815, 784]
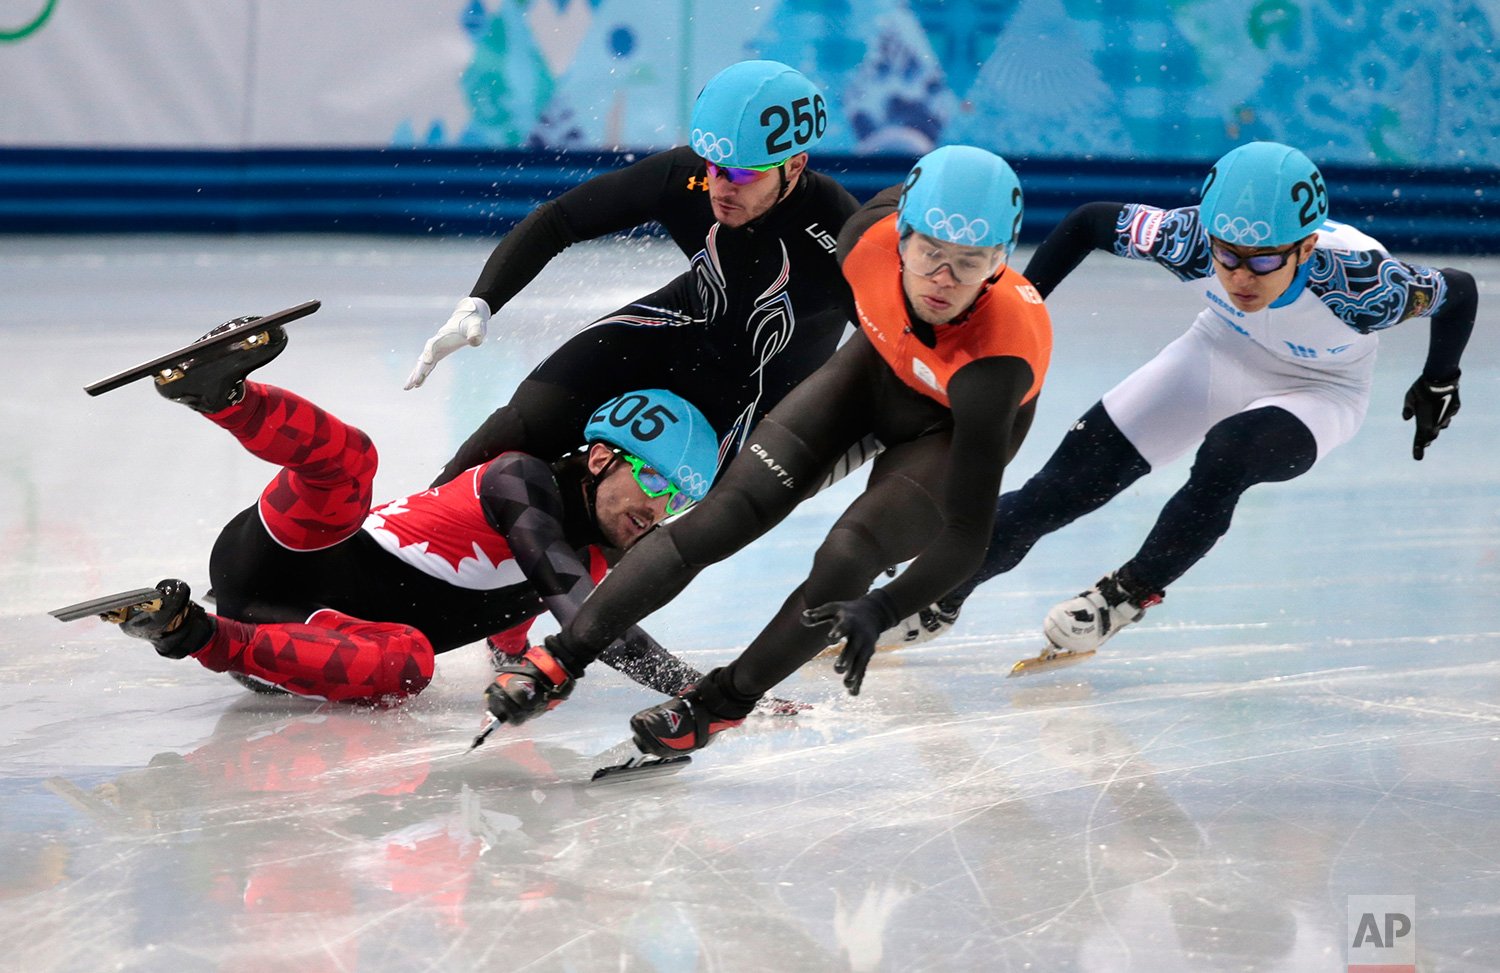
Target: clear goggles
[924, 256]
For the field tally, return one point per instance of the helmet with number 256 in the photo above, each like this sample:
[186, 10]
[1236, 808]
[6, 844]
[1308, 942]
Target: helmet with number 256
[665, 430]
[757, 114]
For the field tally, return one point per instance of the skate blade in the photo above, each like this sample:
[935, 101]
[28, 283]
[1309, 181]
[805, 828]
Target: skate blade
[1051, 658]
[640, 768]
[170, 367]
[111, 608]
[490, 723]
[255, 338]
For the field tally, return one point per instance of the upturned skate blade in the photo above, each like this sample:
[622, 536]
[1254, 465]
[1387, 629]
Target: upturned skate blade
[146, 598]
[640, 768]
[173, 359]
[1051, 658]
[89, 803]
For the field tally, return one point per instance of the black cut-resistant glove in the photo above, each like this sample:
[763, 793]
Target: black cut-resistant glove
[1433, 405]
[859, 623]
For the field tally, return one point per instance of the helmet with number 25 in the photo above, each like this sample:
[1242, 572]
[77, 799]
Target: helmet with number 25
[756, 115]
[667, 432]
[1263, 194]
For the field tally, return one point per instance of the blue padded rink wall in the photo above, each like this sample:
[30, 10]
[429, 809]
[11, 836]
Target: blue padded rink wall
[1311, 715]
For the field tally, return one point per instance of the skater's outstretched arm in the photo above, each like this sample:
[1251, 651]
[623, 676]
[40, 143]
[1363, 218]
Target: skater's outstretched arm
[519, 496]
[1370, 290]
[608, 203]
[1432, 399]
[990, 417]
[1089, 227]
[987, 399]
[1172, 238]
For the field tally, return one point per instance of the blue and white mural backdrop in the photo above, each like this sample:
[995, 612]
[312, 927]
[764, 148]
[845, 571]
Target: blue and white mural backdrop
[1359, 81]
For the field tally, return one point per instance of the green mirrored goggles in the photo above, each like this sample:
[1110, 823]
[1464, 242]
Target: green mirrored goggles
[653, 484]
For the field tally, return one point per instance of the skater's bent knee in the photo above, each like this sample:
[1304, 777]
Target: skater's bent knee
[845, 564]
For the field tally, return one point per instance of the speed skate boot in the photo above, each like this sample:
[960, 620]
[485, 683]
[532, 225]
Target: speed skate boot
[1084, 623]
[924, 626]
[529, 685]
[687, 722]
[177, 627]
[215, 379]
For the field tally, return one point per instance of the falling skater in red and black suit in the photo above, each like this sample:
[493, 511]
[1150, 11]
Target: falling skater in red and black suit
[320, 595]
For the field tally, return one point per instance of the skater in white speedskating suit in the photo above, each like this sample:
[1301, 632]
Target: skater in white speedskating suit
[1273, 374]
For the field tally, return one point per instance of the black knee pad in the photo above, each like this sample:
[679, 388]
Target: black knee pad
[1264, 445]
[845, 564]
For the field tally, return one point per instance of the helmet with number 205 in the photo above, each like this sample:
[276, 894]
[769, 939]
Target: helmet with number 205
[757, 114]
[665, 430]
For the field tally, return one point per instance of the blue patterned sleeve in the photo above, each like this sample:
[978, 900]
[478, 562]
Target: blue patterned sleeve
[1369, 290]
[1171, 237]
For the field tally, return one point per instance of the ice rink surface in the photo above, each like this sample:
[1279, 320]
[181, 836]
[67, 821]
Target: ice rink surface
[1313, 713]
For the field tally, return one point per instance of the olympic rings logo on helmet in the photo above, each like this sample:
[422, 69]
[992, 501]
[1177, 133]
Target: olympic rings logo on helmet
[956, 227]
[1241, 231]
[690, 481]
[712, 147]
[664, 431]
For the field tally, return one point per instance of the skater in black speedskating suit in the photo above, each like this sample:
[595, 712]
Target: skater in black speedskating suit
[761, 307]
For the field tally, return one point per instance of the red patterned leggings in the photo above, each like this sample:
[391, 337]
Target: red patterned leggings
[319, 498]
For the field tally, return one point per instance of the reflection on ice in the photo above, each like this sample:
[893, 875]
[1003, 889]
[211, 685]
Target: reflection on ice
[1312, 714]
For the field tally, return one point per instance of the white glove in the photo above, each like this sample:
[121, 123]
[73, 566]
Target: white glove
[465, 327]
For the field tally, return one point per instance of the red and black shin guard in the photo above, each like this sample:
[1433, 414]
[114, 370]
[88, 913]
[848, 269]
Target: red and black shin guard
[331, 656]
[324, 490]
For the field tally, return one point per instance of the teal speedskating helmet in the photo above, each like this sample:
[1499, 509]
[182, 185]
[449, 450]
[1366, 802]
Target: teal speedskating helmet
[964, 195]
[757, 115]
[668, 434]
[1263, 194]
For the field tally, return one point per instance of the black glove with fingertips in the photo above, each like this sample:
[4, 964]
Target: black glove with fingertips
[859, 623]
[1433, 405]
[530, 685]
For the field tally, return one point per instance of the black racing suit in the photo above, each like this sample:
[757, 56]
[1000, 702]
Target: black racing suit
[761, 307]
